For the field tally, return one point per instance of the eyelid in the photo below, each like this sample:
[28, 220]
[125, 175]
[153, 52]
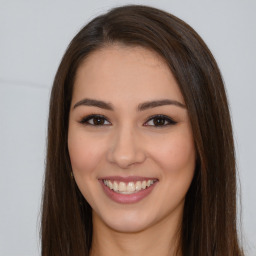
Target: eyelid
[169, 119]
[85, 120]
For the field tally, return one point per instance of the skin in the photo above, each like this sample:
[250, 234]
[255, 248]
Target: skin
[128, 143]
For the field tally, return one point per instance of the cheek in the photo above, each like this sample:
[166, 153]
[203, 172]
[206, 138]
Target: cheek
[84, 153]
[177, 154]
[176, 159]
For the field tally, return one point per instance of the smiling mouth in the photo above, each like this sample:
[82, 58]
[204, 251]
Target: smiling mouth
[130, 187]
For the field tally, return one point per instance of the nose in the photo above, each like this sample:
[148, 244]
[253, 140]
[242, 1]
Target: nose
[126, 148]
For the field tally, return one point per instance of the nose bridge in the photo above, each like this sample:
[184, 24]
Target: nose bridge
[126, 148]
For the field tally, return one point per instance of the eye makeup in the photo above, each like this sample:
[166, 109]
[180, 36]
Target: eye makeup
[94, 120]
[157, 121]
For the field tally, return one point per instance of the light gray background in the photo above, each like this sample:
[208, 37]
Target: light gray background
[33, 38]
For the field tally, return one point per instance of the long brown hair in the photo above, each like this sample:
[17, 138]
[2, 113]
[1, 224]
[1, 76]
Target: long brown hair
[209, 219]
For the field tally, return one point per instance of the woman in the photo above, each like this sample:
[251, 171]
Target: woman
[140, 155]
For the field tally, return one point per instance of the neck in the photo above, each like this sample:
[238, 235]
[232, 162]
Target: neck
[156, 240]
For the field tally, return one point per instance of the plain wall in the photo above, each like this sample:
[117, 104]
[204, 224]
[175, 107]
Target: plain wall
[33, 38]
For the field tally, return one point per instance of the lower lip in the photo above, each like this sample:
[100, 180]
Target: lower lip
[124, 198]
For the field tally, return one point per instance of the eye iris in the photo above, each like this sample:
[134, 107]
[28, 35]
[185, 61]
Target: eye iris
[98, 121]
[159, 121]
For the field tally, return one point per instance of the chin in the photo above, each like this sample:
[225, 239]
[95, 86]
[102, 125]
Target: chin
[127, 221]
[131, 226]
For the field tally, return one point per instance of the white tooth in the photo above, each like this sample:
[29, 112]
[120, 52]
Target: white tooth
[138, 186]
[151, 182]
[110, 184]
[115, 186]
[143, 184]
[130, 187]
[148, 183]
[122, 187]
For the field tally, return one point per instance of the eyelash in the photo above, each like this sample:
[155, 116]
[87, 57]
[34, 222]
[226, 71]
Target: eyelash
[85, 120]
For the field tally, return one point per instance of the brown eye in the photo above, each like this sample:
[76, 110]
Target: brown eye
[160, 121]
[95, 120]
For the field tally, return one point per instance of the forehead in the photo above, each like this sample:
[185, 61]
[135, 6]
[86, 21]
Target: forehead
[130, 72]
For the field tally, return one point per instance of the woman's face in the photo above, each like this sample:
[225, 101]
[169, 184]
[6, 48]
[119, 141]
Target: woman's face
[130, 141]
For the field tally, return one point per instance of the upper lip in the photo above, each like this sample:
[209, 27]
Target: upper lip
[128, 178]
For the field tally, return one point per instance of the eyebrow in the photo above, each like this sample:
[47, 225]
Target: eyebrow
[141, 107]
